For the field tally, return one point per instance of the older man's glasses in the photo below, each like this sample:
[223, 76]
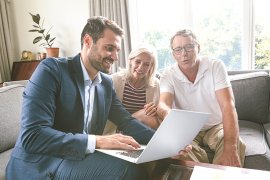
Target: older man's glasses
[187, 48]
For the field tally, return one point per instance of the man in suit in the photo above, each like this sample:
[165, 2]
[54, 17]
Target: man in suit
[65, 107]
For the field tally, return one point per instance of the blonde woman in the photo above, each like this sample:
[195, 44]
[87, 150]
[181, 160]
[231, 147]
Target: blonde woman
[137, 86]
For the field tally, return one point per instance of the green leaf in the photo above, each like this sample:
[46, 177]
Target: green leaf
[52, 39]
[47, 37]
[33, 30]
[37, 39]
[35, 26]
[41, 31]
[38, 17]
[35, 18]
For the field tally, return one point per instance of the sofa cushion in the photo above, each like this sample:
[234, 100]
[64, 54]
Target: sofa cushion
[251, 92]
[259, 161]
[234, 72]
[267, 132]
[10, 110]
[253, 136]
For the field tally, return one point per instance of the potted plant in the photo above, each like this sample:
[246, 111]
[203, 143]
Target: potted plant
[44, 35]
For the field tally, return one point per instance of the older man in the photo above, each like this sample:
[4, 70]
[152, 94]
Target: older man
[202, 84]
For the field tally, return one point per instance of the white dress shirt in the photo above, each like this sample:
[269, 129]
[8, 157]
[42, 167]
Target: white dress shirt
[89, 98]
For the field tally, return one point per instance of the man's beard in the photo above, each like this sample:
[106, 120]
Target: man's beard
[99, 65]
[95, 64]
[96, 61]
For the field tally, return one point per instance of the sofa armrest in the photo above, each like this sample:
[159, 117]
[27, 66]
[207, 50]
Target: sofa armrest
[22, 82]
[10, 110]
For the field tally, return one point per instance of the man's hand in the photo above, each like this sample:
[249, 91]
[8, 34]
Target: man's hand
[116, 141]
[182, 155]
[229, 158]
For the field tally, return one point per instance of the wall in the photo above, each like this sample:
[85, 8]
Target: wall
[67, 17]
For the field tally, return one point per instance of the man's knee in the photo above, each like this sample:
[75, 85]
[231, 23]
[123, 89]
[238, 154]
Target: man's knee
[135, 171]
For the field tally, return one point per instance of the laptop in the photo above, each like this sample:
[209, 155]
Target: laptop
[176, 131]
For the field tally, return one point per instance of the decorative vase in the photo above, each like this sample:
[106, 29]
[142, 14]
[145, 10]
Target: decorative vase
[52, 52]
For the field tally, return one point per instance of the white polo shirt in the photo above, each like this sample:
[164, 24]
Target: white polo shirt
[200, 95]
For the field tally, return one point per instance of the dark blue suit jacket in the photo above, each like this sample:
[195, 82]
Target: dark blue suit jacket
[53, 119]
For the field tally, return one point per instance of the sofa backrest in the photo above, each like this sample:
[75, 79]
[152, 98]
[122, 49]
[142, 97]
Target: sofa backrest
[22, 82]
[234, 72]
[10, 114]
[251, 92]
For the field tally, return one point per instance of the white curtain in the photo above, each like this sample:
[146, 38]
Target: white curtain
[6, 42]
[116, 10]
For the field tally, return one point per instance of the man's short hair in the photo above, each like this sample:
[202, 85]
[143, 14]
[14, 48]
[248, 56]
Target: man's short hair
[96, 25]
[184, 33]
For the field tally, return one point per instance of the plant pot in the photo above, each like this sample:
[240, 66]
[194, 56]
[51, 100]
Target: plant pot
[52, 52]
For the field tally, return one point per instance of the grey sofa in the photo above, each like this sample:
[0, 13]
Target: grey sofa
[10, 110]
[251, 91]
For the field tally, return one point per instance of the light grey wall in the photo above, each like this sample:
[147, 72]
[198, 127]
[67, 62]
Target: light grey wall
[67, 17]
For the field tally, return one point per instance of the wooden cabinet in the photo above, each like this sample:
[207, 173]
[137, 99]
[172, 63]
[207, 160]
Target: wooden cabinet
[22, 70]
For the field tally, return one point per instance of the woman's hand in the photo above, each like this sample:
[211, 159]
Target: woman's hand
[150, 109]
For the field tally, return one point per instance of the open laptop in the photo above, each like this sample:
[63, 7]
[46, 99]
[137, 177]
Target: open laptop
[176, 131]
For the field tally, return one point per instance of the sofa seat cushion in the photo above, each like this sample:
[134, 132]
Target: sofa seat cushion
[4, 158]
[267, 132]
[10, 110]
[253, 136]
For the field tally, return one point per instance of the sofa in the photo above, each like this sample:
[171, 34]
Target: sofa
[251, 91]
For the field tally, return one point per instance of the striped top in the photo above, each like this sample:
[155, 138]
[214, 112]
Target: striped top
[133, 99]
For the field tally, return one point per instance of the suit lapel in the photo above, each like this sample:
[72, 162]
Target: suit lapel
[99, 96]
[76, 71]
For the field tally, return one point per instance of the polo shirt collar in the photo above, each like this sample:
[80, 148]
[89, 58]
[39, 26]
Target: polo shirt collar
[203, 67]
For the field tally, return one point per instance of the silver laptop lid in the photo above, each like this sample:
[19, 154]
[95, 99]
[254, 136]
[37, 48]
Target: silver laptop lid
[176, 131]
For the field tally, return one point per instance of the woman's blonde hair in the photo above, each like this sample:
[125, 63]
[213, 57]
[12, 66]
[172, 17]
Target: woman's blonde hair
[151, 51]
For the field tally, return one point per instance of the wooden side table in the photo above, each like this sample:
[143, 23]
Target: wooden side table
[22, 70]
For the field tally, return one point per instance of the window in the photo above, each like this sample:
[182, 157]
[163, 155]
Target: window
[217, 25]
[262, 34]
[224, 29]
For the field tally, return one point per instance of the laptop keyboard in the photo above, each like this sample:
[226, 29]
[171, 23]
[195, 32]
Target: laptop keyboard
[132, 153]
